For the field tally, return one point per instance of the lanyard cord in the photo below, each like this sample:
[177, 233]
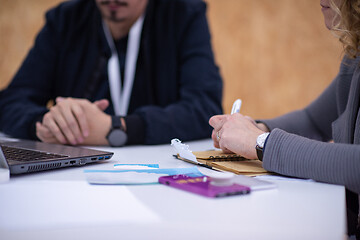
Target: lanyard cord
[121, 97]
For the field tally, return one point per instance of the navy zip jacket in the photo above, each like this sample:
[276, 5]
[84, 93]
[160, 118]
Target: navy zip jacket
[177, 86]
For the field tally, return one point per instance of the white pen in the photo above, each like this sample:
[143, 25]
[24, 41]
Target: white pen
[236, 106]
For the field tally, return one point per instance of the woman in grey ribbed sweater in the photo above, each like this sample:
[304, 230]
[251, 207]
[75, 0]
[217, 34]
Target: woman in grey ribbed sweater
[298, 144]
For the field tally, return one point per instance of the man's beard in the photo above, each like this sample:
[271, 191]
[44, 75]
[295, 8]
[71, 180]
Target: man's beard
[113, 17]
[115, 2]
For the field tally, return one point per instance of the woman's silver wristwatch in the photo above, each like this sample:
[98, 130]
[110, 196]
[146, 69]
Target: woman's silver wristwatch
[260, 143]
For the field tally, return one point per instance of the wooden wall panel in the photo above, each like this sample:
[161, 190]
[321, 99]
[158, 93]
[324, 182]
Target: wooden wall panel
[276, 55]
[20, 21]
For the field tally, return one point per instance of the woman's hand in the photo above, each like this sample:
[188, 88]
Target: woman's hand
[235, 133]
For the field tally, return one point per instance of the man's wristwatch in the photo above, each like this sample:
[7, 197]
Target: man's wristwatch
[260, 142]
[117, 136]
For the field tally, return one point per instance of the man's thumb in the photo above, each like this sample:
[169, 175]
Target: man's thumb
[102, 104]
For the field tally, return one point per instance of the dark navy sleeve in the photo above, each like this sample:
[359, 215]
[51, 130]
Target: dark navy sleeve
[24, 101]
[199, 85]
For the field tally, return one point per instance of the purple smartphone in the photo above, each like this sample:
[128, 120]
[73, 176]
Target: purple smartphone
[202, 185]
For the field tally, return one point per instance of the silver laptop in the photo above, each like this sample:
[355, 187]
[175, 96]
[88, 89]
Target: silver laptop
[26, 156]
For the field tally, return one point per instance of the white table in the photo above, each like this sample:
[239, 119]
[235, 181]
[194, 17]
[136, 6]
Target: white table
[60, 204]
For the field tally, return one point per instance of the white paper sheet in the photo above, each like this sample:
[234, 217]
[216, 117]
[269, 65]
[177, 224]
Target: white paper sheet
[81, 204]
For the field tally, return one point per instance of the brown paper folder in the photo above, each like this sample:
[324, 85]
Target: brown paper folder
[217, 155]
[246, 167]
[230, 162]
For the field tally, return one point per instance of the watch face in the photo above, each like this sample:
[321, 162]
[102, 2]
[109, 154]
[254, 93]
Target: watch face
[260, 141]
[117, 138]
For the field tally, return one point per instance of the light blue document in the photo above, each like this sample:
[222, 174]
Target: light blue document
[131, 177]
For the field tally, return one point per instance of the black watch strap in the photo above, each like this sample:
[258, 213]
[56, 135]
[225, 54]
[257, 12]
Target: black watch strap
[260, 144]
[259, 152]
[116, 122]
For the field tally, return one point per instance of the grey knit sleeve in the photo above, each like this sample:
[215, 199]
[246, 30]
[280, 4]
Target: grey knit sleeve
[293, 155]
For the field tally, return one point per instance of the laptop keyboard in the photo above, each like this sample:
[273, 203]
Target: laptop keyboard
[24, 155]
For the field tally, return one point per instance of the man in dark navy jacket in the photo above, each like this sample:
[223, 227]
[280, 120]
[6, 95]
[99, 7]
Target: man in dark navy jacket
[118, 72]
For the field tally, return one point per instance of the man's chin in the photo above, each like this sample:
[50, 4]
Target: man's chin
[115, 19]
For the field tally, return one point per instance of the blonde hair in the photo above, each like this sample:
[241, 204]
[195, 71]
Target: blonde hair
[347, 25]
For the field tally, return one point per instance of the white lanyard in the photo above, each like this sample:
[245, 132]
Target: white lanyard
[121, 97]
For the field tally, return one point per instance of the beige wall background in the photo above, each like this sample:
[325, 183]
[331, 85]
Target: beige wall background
[276, 55]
